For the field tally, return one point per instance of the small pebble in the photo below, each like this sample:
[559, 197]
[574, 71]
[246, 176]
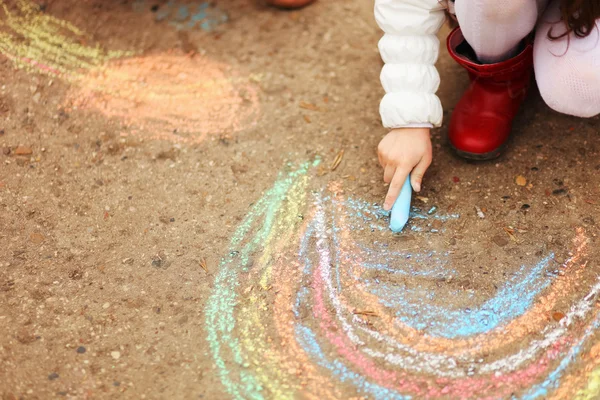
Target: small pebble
[480, 213]
[81, 350]
[23, 151]
[115, 355]
[37, 238]
[52, 376]
[559, 192]
[501, 241]
[557, 316]
[436, 225]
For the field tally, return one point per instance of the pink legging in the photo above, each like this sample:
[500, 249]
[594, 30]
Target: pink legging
[567, 70]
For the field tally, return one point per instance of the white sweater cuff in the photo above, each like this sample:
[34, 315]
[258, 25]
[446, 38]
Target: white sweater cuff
[400, 109]
[416, 125]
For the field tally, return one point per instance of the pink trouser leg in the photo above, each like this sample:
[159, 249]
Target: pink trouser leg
[567, 70]
[494, 28]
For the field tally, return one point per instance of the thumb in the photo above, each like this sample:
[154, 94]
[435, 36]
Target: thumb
[416, 176]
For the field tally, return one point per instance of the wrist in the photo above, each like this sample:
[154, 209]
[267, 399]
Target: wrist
[409, 131]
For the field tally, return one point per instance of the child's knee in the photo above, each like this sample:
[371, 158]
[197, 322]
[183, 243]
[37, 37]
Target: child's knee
[568, 71]
[502, 11]
[569, 85]
[484, 17]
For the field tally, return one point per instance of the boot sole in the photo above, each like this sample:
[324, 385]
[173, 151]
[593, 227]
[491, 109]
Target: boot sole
[479, 156]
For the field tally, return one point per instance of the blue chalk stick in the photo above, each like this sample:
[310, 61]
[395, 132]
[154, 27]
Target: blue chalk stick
[401, 208]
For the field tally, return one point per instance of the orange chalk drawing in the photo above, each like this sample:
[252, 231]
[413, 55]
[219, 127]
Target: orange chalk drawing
[169, 96]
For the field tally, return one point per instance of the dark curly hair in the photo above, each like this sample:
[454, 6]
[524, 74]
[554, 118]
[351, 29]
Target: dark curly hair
[579, 17]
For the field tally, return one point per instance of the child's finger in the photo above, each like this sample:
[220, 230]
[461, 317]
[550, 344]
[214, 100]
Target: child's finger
[416, 177]
[395, 188]
[388, 173]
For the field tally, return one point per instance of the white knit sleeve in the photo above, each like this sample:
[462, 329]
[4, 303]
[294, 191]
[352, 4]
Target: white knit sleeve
[409, 49]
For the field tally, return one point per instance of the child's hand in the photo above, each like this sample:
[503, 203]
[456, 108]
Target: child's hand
[400, 152]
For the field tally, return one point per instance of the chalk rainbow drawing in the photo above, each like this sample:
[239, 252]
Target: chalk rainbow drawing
[168, 96]
[303, 309]
[185, 16]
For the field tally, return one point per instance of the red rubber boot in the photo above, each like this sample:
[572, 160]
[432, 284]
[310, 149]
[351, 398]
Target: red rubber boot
[482, 120]
[289, 3]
